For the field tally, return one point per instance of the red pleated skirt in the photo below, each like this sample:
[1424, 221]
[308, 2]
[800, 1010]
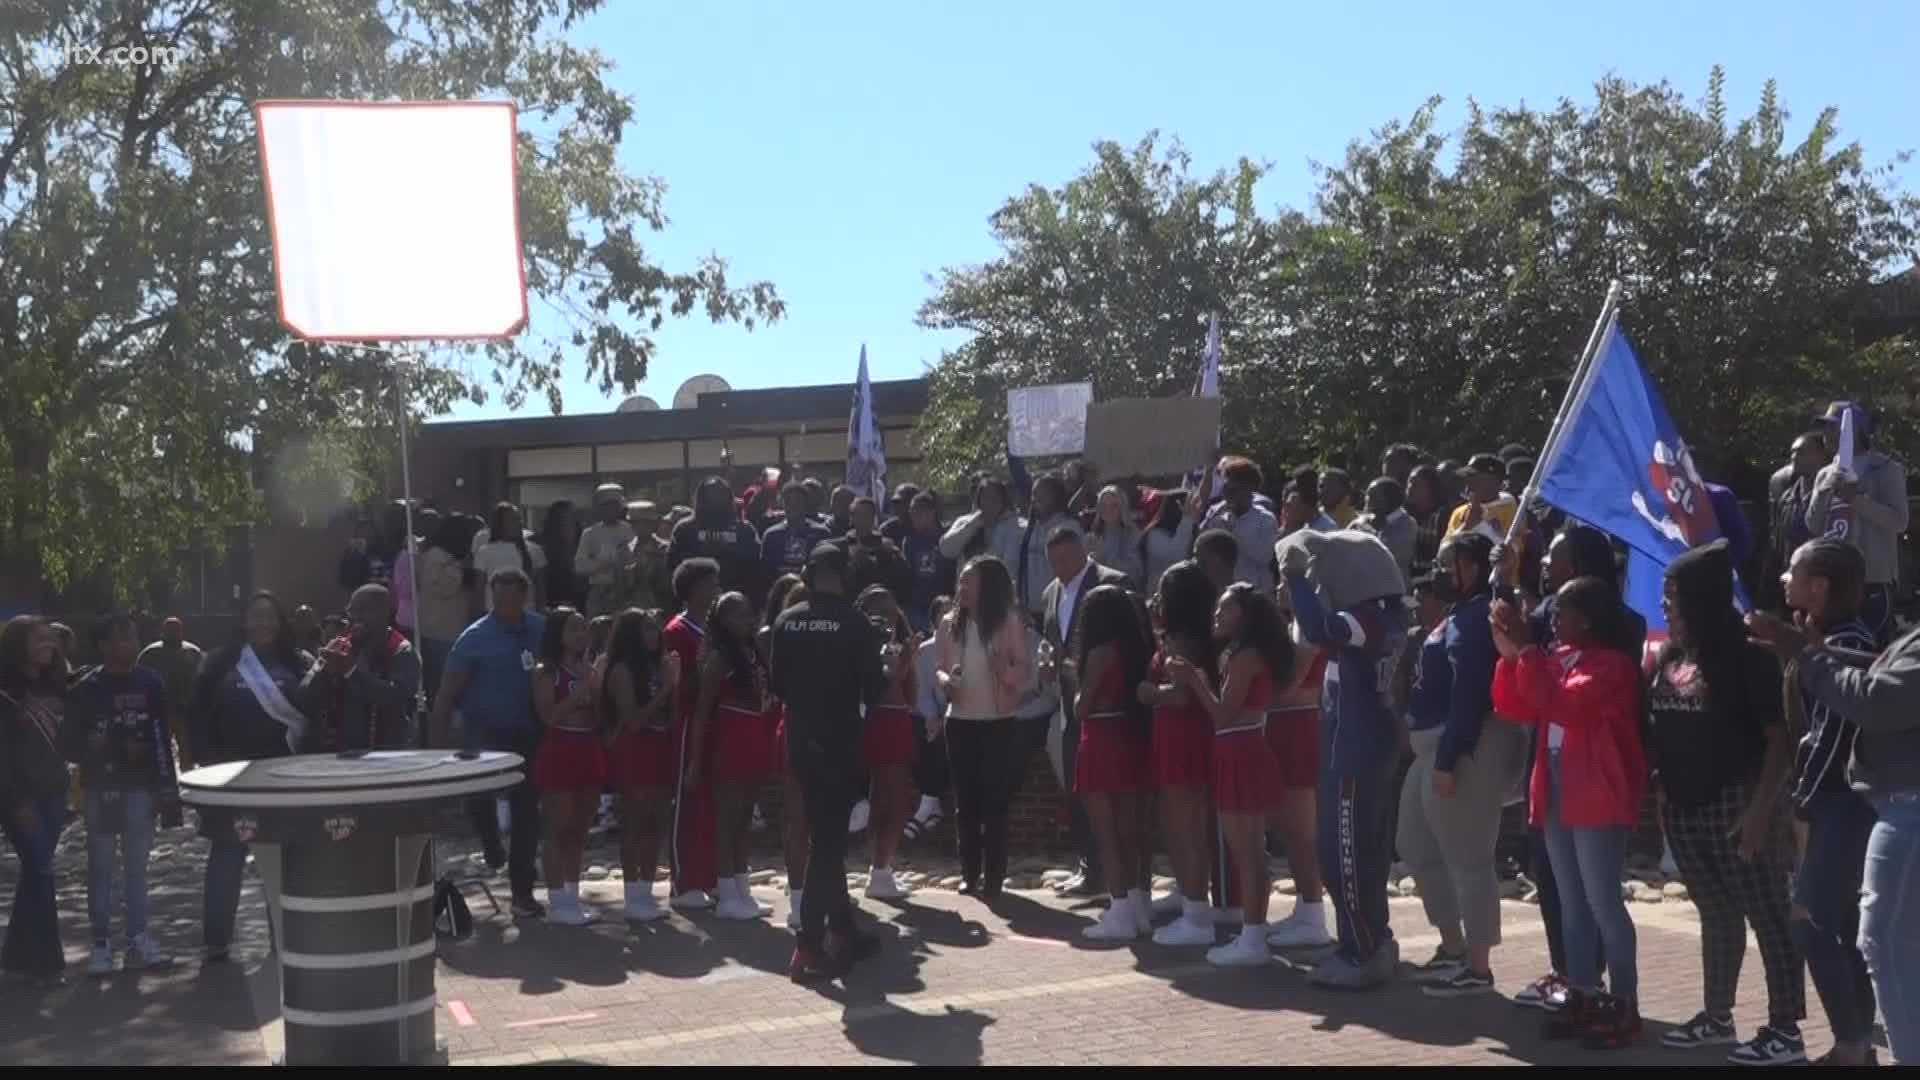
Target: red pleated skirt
[1114, 755]
[887, 739]
[1246, 778]
[1182, 746]
[570, 761]
[742, 744]
[643, 759]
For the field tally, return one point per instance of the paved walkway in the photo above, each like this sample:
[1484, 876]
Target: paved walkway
[956, 984]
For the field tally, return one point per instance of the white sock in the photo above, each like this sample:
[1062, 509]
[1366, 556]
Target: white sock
[1314, 911]
[929, 806]
[572, 891]
[1198, 911]
[742, 887]
[1252, 935]
[872, 870]
[723, 888]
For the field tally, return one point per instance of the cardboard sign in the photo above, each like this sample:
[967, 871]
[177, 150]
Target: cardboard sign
[1043, 421]
[1153, 436]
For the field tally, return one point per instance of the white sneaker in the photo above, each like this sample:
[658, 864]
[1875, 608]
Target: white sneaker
[793, 910]
[143, 954]
[738, 909]
[692, 900]
[882, 886]
[641, 906]
[743, 889]
[565, 909]
[100, 964]
[1246, 950]
[1115, 924]
[1306, 928]
[1184, 931]
[857, 821]
[1171, 904]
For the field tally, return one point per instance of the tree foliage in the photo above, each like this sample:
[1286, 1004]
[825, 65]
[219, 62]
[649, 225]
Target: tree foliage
[141, 363]
[1439, 287]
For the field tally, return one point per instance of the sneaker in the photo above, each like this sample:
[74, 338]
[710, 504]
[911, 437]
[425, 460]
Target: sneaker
[1306, 928]
[1831, 1059]
[1245, 950]
[568, 911]
[692, 900]
[1081, 886]
[1549, 992]
[857, 821]
[737, 908]
[1117, 923]
[1571, 1021]
[1184, 931]
[526, 907]
[642, 907]
[1770, 1046]
[1464, 982]
[1443, 967]
[1612, 1024]
[100, 964]
[812, 966]
[881, 885]
[744, 891]
[144, 955]
[1702, 1030]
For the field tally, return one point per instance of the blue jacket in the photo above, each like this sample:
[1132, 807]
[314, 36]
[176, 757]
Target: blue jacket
[1452, 686]
[1357, 724]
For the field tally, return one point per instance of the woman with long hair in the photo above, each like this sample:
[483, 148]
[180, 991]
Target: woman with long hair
[1256, 660]
[787, 591]
[243, 710]
[1721, 758]
[1584, 791]
[887, 749]
[982, 665]
[1826, 583]
[1293, 731]
[1182, 746]
[730, 730]
[993, 528]
[559, 539]
[930, 772]
[1115, 542]
[1113, 763]
[1169, 538]
[570, 768]
[33, 792]
[504, 544]
[636, 683]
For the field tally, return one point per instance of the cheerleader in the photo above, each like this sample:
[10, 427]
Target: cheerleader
[1182, 748]
[1293, 731]
[887, 748]
[1256, 656]
[637, 682]
[571, 765]
[730, 731]
[1111, 765]
[786, 591]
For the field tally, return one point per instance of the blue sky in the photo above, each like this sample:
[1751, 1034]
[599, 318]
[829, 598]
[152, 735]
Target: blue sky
[845, 149]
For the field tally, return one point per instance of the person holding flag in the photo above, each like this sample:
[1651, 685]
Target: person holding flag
[1862, 499]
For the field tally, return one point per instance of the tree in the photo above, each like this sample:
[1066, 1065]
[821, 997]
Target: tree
[1445, 301]
[141, 365]
[1107, 279]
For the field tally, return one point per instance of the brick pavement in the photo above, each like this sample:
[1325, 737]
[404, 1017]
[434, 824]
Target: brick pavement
[956, 984]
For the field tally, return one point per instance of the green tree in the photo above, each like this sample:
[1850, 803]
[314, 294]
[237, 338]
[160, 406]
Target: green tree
[141, 365]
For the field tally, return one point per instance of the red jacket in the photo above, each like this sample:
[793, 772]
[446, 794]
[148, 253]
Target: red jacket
[1594, 696]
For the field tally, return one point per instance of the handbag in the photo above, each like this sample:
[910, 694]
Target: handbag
[451, 918]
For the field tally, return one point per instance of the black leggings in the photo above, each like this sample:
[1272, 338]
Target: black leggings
[986, 760]
[930, 771]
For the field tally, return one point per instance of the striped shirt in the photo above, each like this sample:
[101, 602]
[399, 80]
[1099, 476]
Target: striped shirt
[1820, 763]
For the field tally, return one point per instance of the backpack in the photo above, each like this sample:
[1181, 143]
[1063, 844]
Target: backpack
[451, 919]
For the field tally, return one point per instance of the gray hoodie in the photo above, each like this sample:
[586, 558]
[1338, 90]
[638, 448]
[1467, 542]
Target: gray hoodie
[1883, 701]
[1001, 541]
[1880, 512]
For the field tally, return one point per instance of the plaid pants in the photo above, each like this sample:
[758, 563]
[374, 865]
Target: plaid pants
[1730, 893]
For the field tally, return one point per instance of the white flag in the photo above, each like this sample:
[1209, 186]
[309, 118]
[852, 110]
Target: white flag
[866, 451]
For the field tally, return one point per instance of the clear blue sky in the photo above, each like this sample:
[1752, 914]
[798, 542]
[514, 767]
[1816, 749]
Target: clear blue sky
[845, 149]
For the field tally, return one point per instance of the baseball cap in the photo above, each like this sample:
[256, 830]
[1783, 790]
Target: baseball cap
[1484, 465]
[1861, 418]
[607, 493]
[828, 555]
[643, 508]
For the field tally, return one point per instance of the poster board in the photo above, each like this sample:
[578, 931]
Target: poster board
[1044, 421]
[1153, 436]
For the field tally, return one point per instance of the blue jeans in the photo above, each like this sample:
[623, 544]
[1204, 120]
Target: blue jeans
[1827, 885]
[33, 930]
[128, 847]
[1588, 865]
[226, 865]
[1890, 920]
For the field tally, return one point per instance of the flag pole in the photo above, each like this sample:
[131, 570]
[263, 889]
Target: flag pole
[1602, 326]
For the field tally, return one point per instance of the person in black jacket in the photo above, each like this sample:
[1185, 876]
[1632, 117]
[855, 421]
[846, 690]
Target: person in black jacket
[716, 531]
[33, 792]
[826, 660]
[875, 559]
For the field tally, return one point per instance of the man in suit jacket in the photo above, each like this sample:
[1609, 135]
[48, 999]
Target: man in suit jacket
[1074, 575]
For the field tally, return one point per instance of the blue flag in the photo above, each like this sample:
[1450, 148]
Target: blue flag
[1621, 466]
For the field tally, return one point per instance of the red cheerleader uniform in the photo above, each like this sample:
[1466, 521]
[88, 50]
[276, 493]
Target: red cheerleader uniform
[1246, 778]
[1114, 754]
[1293, 731]
[887, 739]
[1182, 740]
[569, 759]
[644, 758]
[738, 732]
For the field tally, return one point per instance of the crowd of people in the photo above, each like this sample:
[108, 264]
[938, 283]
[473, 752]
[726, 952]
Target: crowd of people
[1343, 674]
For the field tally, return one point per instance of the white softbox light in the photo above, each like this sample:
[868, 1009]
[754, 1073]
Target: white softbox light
[394, 220]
